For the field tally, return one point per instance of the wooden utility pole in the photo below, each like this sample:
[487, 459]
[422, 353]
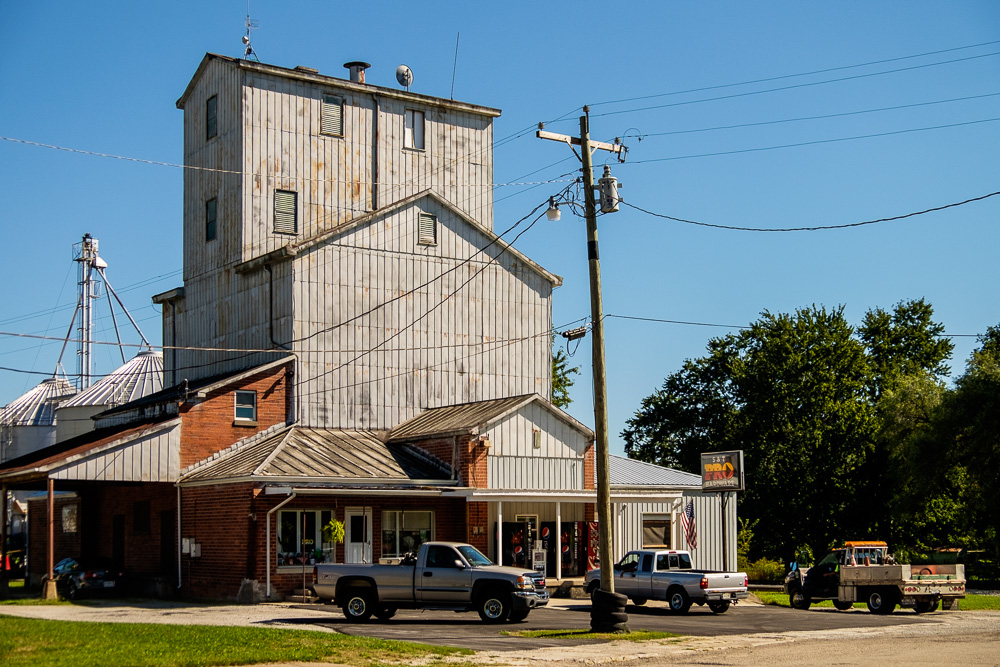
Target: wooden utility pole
[605, 541]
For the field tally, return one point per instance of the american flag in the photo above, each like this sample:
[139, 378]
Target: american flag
[690, 530]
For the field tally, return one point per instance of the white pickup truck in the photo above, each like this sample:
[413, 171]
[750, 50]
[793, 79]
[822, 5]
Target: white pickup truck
[648, 574]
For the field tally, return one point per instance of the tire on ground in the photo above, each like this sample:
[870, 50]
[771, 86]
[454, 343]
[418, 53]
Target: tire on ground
[719, 607]
[678, 601]
[358, 605]
[494, 605]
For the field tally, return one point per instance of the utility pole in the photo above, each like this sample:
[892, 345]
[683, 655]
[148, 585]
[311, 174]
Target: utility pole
[597, 315]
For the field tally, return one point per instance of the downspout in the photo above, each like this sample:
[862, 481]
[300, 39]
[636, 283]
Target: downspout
[179, 559]
[173, 344]
[268, 540]
[270, 308]
[375, 180]
[454, 458]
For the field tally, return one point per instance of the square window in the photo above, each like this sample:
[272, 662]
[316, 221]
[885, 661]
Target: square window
[656, 531]
[210, 220]
[427, 229]
[331, 118]
[413, 129]
[286, 212]
[246, 406]
[211, 121]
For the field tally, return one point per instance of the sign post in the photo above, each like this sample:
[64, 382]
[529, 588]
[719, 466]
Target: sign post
[722, 473]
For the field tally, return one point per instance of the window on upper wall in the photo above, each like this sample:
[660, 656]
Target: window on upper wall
[286, 212]
[211, 120]
[331, 117]
[655, 531]
[413, 129]
[210, 220]
[427, 229]
[246, 406]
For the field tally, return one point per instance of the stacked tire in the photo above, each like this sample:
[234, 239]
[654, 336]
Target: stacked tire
[607, 612]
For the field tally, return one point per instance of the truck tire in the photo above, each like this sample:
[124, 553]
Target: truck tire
[518, 616]
[638, 602]
[926, 606]
[605, 601]
[494, 605]
[595, 585]
[799, 600]
[677, 600]
[720, 607]
[881, 600]
[384, 613]
[843, 605]
[358, 606]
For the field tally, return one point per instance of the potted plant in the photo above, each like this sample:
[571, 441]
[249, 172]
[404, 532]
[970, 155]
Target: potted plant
[333, 534]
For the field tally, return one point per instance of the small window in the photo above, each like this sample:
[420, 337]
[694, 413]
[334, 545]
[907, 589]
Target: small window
[427, 229]
[655, 532]
[413, 129]
[140, 517]
[211, 122]
[286, 212]
[210, 220]
[331, 118]
[246, 406]
[69, 519]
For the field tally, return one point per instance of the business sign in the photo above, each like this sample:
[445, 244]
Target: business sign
[722, 471]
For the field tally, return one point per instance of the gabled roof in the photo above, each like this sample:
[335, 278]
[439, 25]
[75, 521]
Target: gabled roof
[472, 418]
[629, 472]
[293, 249]
[297, 454]
[38, 406]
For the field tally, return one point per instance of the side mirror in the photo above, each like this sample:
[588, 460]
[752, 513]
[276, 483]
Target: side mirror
[459, 564]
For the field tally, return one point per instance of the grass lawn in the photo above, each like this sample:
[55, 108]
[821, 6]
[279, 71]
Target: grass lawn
[968, 603]
[37, 642]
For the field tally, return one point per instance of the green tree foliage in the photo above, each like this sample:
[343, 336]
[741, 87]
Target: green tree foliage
[561, 380]
[841, 427]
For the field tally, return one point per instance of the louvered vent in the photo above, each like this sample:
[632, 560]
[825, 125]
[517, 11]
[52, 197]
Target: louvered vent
[285, 221]
[427, 229]
[332, 116]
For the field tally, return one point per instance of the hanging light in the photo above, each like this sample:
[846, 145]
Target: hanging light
[553, 214]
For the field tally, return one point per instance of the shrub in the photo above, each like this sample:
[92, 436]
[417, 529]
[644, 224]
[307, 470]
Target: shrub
[766, 571]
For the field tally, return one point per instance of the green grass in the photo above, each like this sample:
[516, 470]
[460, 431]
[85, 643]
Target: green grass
[57, 643]
[968, 603]
[638, 636]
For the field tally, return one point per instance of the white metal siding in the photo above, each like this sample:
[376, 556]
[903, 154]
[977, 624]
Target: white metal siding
[153, 458]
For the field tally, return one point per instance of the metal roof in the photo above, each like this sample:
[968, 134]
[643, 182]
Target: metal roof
[38, 406]
[317, 454]
[140, 376]
[471, 418]
[629, 472]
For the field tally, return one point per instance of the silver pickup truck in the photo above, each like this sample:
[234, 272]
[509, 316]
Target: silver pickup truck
[442, 575]
[667, 575]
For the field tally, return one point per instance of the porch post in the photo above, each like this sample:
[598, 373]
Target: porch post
[4, 572]
[499, 532]
[49, 588]
[558, 541]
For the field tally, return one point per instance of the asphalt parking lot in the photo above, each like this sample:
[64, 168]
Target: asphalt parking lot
[467, 631]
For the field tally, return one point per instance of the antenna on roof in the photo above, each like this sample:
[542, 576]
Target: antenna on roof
[251, 24]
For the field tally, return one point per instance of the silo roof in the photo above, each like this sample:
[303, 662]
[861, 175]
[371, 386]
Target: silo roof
[38, 406]
[140, 376]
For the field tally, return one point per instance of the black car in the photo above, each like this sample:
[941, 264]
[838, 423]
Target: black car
[76, 577]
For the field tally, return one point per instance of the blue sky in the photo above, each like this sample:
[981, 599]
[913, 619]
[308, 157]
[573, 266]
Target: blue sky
[104, 77]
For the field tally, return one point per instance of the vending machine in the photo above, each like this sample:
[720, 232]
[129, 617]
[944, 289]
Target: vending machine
[516, 543]
[592, 549]
[567, 549]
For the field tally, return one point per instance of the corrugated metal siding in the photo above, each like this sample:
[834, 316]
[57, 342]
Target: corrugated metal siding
[523, 472]
[153, 457]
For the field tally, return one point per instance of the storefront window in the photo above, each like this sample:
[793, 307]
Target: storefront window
[300, 537]
[655, 531]
[404, 532]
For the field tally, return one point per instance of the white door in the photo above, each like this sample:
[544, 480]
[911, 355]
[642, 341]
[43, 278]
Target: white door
[358, 534]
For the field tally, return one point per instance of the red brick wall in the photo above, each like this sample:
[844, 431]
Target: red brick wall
[589, 470]
[478, 521]
[66, 544]
[208, 426]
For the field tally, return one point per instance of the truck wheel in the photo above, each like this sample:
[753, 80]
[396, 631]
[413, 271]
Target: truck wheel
[358, 606]
[678, 600]
[720, 607]
[926, 606]
[494, 606]
[518, 616]
[638, 602]
[881, 601]
[843, 605]
[595, 585]
[384, 613]
[799, 600]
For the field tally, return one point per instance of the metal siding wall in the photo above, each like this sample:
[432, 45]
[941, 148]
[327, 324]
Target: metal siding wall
[708, 520]
[154, 458]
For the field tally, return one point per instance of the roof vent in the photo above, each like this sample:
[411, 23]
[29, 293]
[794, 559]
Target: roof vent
[357, 69]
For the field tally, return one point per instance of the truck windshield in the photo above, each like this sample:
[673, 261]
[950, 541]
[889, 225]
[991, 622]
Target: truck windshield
[472, 555]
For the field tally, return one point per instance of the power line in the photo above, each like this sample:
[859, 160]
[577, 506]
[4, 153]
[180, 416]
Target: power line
[816, 142]
[736, 326]
[805, 118]
[790, 87]
[790, 76]
[811, 229]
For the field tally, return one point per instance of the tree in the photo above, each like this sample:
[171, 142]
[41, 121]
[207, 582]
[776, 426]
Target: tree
[561, 380]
